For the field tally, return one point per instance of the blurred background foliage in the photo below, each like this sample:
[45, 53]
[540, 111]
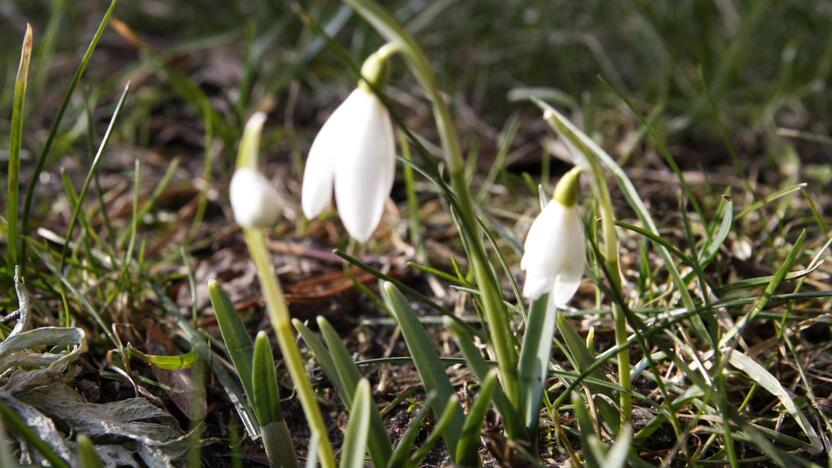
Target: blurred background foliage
[765, 63]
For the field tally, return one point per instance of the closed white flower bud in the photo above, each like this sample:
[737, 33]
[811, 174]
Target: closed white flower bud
[355, 152]
[555, 249]
[255, 202]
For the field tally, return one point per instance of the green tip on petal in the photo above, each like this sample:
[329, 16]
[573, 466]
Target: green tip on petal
[566, 192]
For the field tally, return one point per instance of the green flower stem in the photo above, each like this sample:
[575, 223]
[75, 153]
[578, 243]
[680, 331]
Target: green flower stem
[281, 322]
[276, 305]
[611, 259]
[498, 319]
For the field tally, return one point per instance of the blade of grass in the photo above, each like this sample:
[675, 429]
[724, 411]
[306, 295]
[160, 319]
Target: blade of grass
[467, 451]
[414, 426]
[534, 360]
[14, 422]
[266, 403]
[378, 439]
[87, 456]
[15, 144]
[93, 167]
[355, 440]
[234, 334]
[44, 154]
[425, 358]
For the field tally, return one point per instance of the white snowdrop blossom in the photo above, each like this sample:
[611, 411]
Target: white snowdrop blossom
[255, 202]
[355, 152]
[555, 249]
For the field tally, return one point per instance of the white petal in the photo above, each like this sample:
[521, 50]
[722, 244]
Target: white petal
[566, 285]
[366, 165]
[326, 149]
[253, 199]
[555, 251]
[543, 247]
[535, 286]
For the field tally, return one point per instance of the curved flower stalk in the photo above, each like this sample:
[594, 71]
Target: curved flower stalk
[355, 152]
[256, 206]
[555, 248]
[499, 324]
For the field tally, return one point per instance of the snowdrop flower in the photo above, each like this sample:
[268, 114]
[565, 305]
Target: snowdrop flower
[254, 200]
[354, 151]
[555, 248]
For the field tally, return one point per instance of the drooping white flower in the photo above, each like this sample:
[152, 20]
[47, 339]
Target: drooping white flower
[555, 249]
[355, 151]
[255, 202]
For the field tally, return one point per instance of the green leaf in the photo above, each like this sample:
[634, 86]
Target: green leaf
[85, 186]
[379, 440]
[451, 413]
[235, 394]
[323, 357]
[425, 358]
[87, 455]
[53, 130]
[727, 208]
[15, 144]
[234, 334]
[586, 431]
[14, 422]
[414, 426]
[6, 457]
[480, 367]
[617, 455]
[765, 379]
[266, 399]
[355, 440]
[581, 358]
[175, 362]
[467, 451]
[534, 360]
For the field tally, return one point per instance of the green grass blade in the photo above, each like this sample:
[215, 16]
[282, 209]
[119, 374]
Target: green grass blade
[174, 362]
[414, 426]
[93, 167]
[765, 379]
[6, 457]
[234, 334]
[617, 455]
[478, 364]
[534, 360]
[14, 422]
[378, 439]
[586, 430]
[771, 288]
[355, 440]
[661, 146]
[15, 144]
[53, 131]
[323, 357]
[266, 402]
[87, 456]
[449, 415]
[235, 395]
[467, 451]
[425, 358]
[582, 359]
